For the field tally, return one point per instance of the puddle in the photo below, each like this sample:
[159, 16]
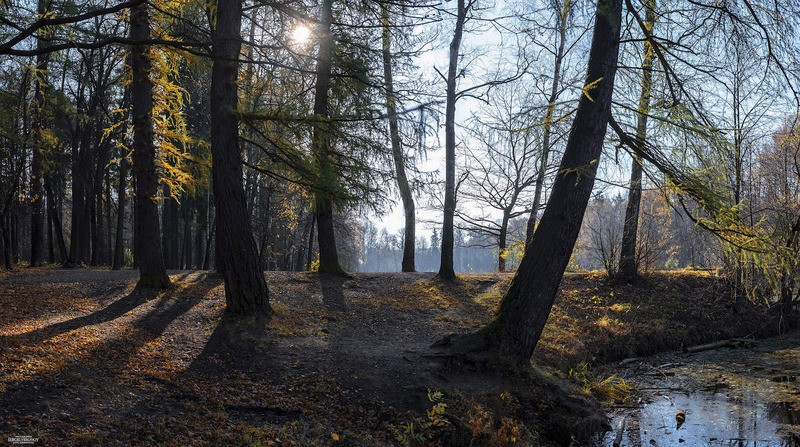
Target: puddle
[732, 398]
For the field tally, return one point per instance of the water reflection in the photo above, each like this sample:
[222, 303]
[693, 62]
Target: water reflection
[735, 417]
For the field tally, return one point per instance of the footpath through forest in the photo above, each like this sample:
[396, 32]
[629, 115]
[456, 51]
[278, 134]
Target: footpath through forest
[87, 359]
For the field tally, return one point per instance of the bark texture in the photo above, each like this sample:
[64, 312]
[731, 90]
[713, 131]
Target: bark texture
[152, 272]
[328, 255]
[245, 288]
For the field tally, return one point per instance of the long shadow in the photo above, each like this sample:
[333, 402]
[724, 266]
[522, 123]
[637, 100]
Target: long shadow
[116, 309]
[333, 292]
[35, 395]
[239, 343]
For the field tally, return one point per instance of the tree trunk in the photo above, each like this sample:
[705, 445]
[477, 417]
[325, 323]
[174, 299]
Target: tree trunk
[152, 272]
[51, 251]
[628, 263]
[99, 237]
[301, 246]
[81, 166]
[502, 242]
[107, 255]
[52, 210]
[397, 145]
[5, 245]
[547, 128]
[513, 335]
[328, 255]
[135, 226]
[186, 244]
[245, 288]
[119, 242]
[310, 251]
[266, 253]
[5, 225]
[446, 267]
[169, 226]
[202, 229]
[39, 153]
[210, 244]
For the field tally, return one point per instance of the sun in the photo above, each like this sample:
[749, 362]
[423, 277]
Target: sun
[301, 34]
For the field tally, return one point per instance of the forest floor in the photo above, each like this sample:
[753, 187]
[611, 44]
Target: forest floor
[87, 359]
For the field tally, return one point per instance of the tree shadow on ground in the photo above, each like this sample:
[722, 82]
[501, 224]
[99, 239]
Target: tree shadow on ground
[239, 344]
[90, 380]
[114, 310]
[333, 292]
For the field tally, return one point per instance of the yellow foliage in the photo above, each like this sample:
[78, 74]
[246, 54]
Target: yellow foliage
[590, 86]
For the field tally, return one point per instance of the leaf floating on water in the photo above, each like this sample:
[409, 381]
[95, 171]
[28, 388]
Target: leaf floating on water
[680, 418]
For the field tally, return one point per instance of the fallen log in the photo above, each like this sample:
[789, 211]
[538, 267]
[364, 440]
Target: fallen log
[709, 346]
[731, 342]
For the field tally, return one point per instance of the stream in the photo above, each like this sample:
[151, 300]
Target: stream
[746, 396]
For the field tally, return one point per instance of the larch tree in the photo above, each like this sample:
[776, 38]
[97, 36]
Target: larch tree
[152, 271]
[321, 141]
[246, 289]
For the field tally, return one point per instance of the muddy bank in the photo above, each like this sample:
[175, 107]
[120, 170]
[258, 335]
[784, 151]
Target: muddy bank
[744, 396]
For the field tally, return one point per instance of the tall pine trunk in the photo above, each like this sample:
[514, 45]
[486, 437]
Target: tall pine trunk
[37, 193]
[628, 262]
[202, 228]
[446, 267]
[245, 288]
[169, 228]
[409, 241]
[81, 168]
[119, 242]
[52, 211]
[310, 250]
[328, 256]
[152, 272]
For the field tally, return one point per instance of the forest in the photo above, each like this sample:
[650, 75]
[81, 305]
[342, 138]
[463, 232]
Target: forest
[463, 199]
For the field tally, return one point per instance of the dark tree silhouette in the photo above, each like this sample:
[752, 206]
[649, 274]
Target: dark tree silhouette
[151, 263]
[245, 288]
[328, 256]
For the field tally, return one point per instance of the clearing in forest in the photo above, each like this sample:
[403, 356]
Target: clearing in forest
[87, 359]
